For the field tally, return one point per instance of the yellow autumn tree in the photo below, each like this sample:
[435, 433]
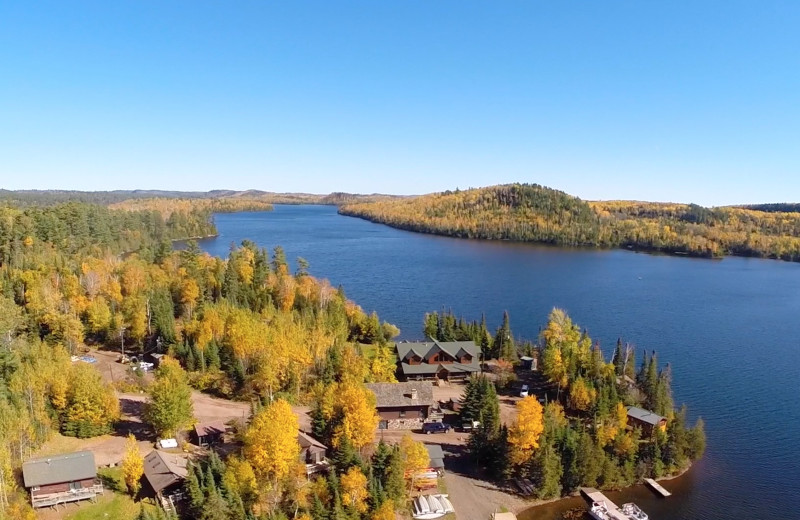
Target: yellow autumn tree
[581, 395]
[524, 433]
[270, 443]
[239, 476]
[132, 465]
[382, 366]
[91, 406]
[354, 489]
[414, 454]
[384, 512]
[355, 405]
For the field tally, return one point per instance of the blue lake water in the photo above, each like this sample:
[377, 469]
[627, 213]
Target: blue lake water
[730, 329]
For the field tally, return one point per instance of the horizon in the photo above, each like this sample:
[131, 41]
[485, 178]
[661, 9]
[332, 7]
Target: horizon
[621, 101]
[405, 195]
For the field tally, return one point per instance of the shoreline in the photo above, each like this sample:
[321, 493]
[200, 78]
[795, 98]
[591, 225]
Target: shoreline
[528, 506]
[588, 247]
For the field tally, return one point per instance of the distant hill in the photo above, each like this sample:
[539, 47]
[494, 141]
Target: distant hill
[534, 213]
[50, 197]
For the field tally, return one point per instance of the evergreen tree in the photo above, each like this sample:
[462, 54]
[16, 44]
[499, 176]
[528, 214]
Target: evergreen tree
[619, 360]
[504, 346]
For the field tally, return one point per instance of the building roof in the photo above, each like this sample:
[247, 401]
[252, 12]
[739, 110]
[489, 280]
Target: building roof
[210, 428]
[645, 416]
[389, 395]
[421, 349]
[164, 469]
[424, 349]
[435, 368]
[307, 441]
[436, 455]
[58, 469]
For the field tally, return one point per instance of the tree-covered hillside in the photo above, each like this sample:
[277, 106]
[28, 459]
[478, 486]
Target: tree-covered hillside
[533, 213]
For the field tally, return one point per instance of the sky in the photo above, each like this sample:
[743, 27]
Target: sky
[680, 101]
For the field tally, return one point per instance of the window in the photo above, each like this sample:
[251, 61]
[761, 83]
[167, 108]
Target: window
[35, 488]
[402, 413]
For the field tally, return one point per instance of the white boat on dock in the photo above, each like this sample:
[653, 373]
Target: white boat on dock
[604, 509]
[633, 511]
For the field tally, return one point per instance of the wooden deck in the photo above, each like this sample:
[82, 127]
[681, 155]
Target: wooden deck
[56, 499]
[657, 487]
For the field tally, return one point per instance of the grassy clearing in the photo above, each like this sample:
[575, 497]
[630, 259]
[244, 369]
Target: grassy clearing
[114, 504]
[60, 444]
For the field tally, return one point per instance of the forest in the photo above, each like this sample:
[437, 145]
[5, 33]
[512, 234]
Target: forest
[77, 275]
[575, 431]
[533, 213]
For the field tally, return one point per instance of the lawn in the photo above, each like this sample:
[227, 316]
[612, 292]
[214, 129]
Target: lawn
[114, 504]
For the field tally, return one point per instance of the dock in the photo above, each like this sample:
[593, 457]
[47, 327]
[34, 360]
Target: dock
[614, 512]
[657, 487]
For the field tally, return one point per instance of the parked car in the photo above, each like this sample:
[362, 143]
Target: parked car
[523, 392]
[468, 426]
[435, 427]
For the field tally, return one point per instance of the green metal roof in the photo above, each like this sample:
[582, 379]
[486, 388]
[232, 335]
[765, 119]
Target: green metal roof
[69, 467]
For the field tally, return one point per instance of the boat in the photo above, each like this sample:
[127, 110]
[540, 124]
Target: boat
[429, 507]
[448, 506]
[633, 511]
[599, 511]
[436, 506]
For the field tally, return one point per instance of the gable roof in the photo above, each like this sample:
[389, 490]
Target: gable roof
[422, 349]
[436, 455]
[210, 428]
[164, 469]
[307, 441]
[399, 394]
[435, 368]
[645, 416]
[58, 469]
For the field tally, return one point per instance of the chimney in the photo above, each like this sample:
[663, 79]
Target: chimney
[414, 394]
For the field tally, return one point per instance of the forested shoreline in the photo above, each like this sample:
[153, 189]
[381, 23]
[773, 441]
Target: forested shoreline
[533, 213]
[75, 276]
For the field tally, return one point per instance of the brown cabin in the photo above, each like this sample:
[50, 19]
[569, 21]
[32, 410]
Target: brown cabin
[646, 420]
[402, 406]
[61, 479]
[209, 433]
[163, 478]
[438, 359]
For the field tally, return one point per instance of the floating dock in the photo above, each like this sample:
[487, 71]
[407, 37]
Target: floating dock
[657, 487]
[593, 495]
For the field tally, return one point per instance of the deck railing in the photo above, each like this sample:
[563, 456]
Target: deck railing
[73, 495]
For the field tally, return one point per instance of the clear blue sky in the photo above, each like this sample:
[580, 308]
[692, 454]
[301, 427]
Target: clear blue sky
[691, 101]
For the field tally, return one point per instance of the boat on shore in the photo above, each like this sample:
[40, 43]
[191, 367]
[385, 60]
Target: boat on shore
[430, 507]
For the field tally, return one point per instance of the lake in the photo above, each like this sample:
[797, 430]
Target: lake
[730, 329]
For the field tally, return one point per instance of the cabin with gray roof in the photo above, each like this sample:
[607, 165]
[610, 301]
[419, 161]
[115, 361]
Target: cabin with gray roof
[645, 419]
[60, 479]
[402, 406]
[163, 478]
[312, 453]
[433, 359]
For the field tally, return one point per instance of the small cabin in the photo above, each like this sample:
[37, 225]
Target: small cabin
[646, 420]
[61, 479]
[209, 433]
[163, 478]
[312, 453]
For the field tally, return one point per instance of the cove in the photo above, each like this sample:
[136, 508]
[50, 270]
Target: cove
[729, 328]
